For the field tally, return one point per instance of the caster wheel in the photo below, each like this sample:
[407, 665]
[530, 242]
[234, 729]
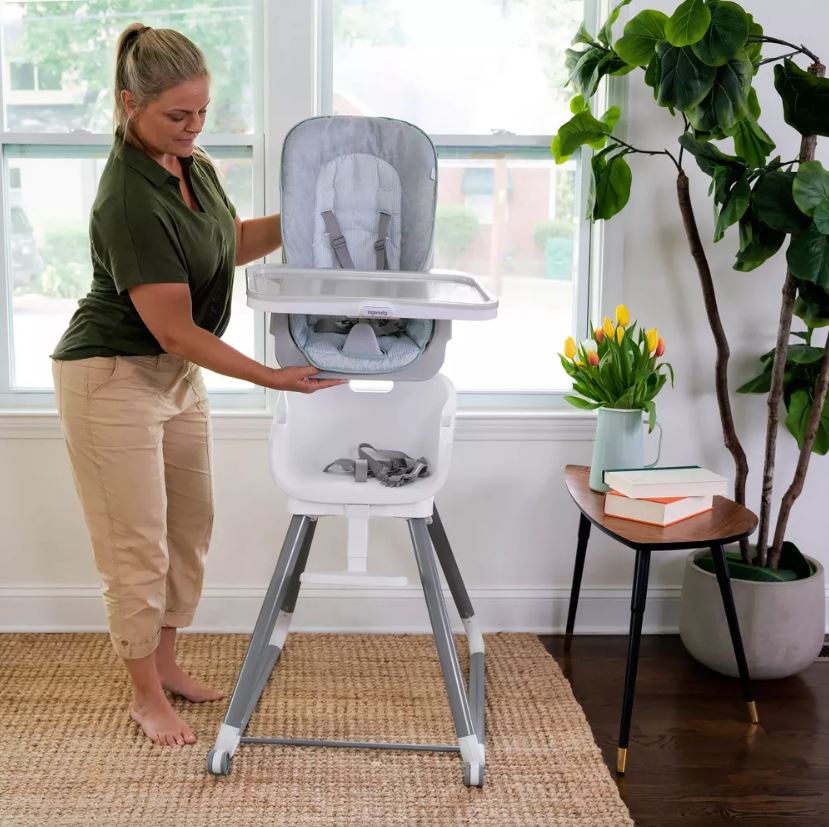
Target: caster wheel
[218, 763]
[473, 775]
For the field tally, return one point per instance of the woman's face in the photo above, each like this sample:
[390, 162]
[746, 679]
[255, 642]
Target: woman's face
[170, 124]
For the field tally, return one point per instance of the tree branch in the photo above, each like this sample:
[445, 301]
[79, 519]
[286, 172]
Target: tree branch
[775, 59]
[730, 439]
[801, 49]
[647, 151]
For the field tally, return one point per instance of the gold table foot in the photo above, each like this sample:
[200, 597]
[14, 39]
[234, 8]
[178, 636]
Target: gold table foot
[752, 712]
[621, 760]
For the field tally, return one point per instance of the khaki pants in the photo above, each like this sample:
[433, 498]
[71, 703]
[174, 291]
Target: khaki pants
[138, 433]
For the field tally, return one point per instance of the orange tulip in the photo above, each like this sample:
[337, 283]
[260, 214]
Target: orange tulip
[660, 346]
[593, 358]
[598, 335]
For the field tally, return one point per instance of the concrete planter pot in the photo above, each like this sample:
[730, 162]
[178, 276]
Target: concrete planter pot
[782, 624]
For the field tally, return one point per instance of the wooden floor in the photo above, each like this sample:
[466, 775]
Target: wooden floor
[694, 760]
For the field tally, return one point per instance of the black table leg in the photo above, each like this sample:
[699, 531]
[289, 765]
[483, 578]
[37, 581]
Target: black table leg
[578, 569]
[721, 568]
[637, 610]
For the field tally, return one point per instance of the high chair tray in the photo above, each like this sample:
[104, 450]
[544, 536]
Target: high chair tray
[438, 294]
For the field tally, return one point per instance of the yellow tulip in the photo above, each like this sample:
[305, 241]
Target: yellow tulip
[569, 347]
[620, 334]
[652, 338]
[608, 328]
[622, 315]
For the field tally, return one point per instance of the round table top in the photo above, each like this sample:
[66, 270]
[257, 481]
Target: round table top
[727, 522]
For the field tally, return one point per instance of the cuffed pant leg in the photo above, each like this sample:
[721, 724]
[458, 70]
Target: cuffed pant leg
[114, 434]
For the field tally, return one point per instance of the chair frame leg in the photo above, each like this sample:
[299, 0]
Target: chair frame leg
[724, 582]
[637, 611]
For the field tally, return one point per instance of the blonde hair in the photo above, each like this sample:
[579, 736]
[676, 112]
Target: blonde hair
[148, 62]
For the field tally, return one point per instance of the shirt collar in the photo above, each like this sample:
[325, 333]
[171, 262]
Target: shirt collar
[150, 169]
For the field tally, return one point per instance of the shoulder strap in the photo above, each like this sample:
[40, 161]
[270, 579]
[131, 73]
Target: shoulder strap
[382, 236]
[337, 239]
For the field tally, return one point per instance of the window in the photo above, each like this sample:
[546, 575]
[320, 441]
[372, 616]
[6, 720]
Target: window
[55, 136]
[490, 96]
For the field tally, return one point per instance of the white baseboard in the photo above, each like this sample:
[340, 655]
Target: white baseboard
[332, 609]
[602, 611]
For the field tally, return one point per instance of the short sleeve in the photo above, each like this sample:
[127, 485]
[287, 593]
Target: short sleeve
[136, 245]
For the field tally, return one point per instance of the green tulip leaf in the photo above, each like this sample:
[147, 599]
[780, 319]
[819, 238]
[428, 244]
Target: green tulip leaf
[751, 141]
[805, 98]
[725, 36]
[811, 186]
[733, 208]
[641, 34]
[606, 31]
[774, 204]
[821, 217]
[808, 256]
[684, 80]
[688, 23]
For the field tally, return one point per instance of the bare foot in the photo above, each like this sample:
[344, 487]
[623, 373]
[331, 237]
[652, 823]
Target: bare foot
[161, 723]
[175, 679]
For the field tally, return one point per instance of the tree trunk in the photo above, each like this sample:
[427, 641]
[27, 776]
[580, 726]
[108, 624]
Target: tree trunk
[732, 443]
[808, 144]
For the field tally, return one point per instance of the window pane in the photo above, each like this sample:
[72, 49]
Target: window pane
[511, 221]
[422, 62]
[74, 88]
[48, 253]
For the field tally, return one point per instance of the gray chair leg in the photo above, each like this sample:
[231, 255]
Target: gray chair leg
[265, 645]
[477, 682]
[472, 750]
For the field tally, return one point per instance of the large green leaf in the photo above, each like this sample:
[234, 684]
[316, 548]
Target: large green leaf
[653, 74]
[584, 67]
[811, 186]
[758, 242]
[725, 36]
[727, 102]
[688, 23]
[808, 256]
[805, 98]
[638, 43]
[821, 217]
[583, 36]
[740, 570]
[812, 304]
[684, 80]
[613, 179]
[751, 141]
[754, 47]
[733, 208]
[798, 412]
[581, 129]
[774, 204]
[760, 384]
[606, 31]
[708, 156]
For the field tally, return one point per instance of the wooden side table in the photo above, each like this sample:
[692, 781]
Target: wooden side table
[726, 523]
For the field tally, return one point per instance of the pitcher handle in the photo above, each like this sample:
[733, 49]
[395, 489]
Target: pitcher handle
[658, 446]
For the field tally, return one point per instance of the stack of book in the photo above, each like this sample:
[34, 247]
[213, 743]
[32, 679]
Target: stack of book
[661, 496]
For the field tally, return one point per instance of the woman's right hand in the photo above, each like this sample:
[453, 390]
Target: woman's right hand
[301, 380]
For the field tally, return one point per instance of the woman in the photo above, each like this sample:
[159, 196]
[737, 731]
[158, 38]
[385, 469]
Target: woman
[164, 243]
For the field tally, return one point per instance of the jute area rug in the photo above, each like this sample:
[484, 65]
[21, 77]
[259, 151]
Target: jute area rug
[69, 754]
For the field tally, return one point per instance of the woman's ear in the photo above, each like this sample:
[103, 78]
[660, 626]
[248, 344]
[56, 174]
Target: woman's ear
[128, 102]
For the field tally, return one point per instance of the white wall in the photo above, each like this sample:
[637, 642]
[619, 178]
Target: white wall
[510, 520]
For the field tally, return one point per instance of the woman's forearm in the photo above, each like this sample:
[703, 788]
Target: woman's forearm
[259, 237]
[200, 346]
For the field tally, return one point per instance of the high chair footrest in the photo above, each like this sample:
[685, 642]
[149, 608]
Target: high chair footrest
[346, 578]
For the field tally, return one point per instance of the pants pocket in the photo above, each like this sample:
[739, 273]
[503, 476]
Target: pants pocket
[100, 371]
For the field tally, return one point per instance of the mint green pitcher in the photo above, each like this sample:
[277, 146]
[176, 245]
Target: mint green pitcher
[620, 443]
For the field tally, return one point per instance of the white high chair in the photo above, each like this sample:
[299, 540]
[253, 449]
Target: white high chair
[329, 318]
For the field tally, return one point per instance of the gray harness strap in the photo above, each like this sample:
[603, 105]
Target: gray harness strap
[344, 324]
[335, 236]
[390, 468]
[382, 237]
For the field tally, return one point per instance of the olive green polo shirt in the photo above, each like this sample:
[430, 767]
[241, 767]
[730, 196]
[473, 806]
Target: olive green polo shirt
[142, 232]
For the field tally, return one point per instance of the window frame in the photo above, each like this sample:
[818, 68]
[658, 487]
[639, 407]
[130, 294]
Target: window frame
[296, 42]
[588, 287]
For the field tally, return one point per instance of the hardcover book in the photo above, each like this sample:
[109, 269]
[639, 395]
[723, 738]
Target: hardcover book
[661, 511]
[685, 481]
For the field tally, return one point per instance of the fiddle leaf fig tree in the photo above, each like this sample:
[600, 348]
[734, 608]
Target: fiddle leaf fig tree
[700, 63]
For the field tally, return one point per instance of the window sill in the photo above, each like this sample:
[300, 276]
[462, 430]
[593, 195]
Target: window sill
[470, 425]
